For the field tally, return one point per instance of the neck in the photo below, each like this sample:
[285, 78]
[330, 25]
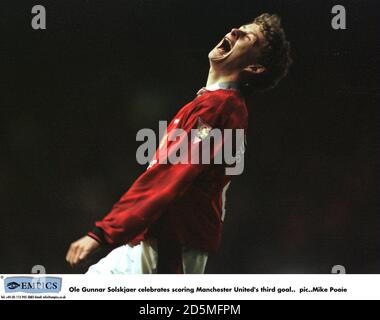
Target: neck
[215, 76]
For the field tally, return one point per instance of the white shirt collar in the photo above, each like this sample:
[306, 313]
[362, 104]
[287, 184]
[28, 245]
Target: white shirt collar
[223, 85]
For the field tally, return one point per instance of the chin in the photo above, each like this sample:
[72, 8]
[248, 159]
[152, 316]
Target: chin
[215, 57]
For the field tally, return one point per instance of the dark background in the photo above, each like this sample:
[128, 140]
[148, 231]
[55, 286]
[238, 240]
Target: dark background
[72, 98]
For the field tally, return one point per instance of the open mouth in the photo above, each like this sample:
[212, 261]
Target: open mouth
[225, 46]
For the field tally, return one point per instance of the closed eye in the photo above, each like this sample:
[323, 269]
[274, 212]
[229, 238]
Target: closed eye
[249, 35]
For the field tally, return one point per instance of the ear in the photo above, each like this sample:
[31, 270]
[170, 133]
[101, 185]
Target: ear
[255, 68]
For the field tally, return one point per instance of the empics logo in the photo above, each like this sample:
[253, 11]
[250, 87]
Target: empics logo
[12, 285]
[32, 284]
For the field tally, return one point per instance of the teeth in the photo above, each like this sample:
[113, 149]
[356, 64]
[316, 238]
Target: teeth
[226, 45]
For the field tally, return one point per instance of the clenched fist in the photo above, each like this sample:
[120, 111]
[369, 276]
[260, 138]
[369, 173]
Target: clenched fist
[81, 249]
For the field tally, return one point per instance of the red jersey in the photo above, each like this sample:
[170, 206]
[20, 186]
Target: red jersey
[182, 203]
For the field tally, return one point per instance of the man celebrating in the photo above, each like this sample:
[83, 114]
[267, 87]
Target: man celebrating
[171, 218]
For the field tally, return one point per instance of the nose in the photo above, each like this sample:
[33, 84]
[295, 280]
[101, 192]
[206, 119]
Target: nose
[236, 33]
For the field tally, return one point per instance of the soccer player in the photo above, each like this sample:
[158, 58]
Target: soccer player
[171, 218]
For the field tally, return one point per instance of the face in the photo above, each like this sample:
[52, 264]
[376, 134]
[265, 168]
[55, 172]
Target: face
[238, 49]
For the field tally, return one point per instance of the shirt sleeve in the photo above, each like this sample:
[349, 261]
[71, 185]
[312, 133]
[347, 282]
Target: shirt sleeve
[152, 193]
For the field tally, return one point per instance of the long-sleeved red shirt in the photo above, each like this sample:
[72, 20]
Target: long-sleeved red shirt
[179, 202]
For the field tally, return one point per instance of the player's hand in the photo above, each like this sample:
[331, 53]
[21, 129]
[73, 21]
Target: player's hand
[81, 249]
